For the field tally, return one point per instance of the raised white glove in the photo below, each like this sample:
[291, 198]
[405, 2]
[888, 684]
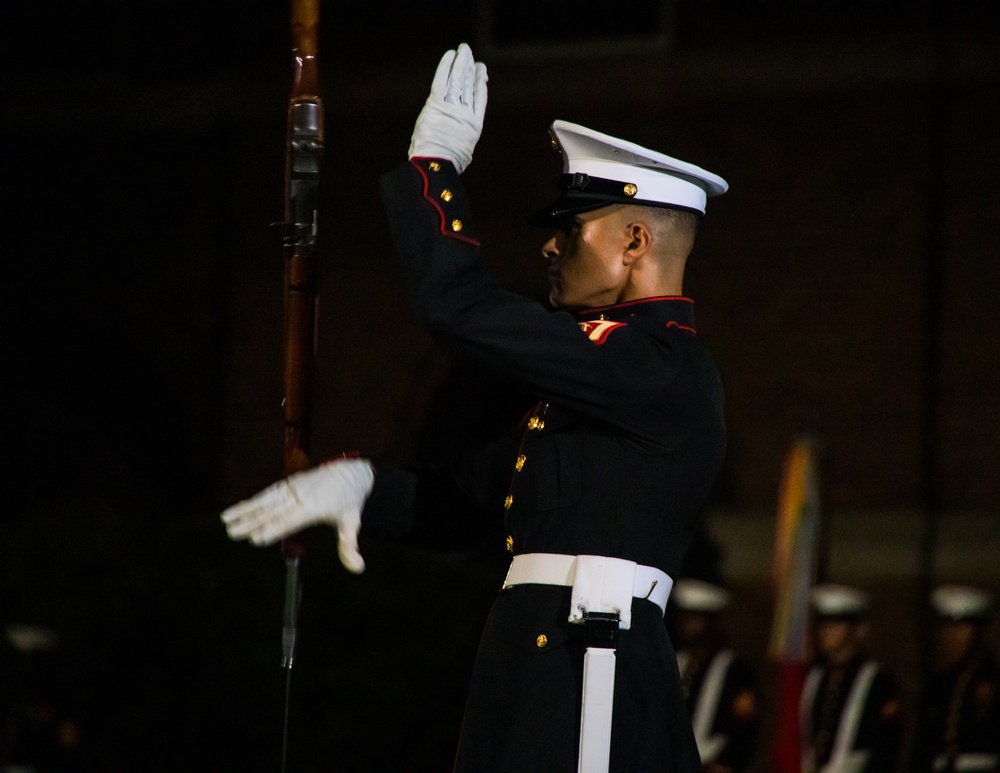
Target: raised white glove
[334, 492]
[452, 118]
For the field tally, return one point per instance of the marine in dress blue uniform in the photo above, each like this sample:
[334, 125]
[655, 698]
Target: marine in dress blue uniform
[959, 722]
[722, 692]
[851, 711]
[614, 460]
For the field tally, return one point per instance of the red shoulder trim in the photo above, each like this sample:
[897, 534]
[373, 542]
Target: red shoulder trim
[598, 330]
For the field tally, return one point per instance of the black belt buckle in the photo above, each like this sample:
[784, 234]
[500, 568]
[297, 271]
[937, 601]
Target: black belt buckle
[601, 629]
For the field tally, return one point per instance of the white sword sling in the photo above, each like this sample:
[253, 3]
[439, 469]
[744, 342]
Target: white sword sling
[601, 600]
[843, 757]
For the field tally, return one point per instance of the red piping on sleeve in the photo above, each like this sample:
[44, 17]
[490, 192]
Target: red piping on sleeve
[441, 215]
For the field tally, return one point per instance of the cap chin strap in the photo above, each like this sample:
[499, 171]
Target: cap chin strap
[627, 182]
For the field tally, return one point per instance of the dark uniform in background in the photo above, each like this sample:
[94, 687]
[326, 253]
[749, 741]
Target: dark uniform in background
[616, 459]
[851, 711]
[878, 732]
[39, 728]
[721, 690]
[959, 722]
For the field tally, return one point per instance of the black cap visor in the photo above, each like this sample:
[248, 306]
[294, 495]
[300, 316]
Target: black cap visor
[581, 193]
[566, 206]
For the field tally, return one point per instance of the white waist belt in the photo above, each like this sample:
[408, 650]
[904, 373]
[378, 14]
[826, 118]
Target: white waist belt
[592, 578]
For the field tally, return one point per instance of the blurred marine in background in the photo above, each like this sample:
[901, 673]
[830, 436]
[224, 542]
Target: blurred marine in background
[959, 722]
[851, 712]
[721, 691]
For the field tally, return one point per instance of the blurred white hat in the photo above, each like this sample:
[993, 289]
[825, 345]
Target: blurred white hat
[961, 602]
[833, 600]
[699, 596]
[26, 637]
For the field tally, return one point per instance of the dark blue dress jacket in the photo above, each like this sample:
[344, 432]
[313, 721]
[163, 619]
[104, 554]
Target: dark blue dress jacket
[616, 459]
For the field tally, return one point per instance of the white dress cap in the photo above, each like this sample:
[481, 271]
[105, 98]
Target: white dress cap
[699, 596]
[961, 602]
[655, 178]
[832, 600]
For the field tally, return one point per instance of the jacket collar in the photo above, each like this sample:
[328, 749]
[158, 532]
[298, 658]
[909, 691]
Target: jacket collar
[666, 309]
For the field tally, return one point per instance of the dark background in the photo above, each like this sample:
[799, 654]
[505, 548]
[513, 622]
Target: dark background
[848, 281]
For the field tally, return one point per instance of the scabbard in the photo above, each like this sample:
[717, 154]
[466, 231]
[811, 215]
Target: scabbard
[598, 698]
[596, 710]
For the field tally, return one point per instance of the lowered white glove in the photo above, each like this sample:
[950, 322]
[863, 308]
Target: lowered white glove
[334, 492]
[452, 118]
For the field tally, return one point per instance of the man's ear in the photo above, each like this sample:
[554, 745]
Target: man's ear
[638, 238]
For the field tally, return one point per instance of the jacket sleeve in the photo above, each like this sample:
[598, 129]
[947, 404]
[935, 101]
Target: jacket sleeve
[444, 503]
[621, 382]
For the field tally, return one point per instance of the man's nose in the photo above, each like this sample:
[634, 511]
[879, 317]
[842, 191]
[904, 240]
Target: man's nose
[550, 250]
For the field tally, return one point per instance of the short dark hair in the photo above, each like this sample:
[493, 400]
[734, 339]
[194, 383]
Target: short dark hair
[682, 219]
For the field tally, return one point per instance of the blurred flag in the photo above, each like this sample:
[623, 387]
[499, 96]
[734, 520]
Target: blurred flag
[794, 571]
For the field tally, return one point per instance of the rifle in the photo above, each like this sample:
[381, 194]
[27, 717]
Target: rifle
[303, 156]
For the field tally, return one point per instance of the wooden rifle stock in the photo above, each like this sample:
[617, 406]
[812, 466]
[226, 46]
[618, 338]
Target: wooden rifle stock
[303, 156]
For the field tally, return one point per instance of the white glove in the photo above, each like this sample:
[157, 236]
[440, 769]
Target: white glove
[452, 119]
[333, 492]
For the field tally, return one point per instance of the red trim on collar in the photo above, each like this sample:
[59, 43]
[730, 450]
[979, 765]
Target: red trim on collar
[433, 203]
[636, 302]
